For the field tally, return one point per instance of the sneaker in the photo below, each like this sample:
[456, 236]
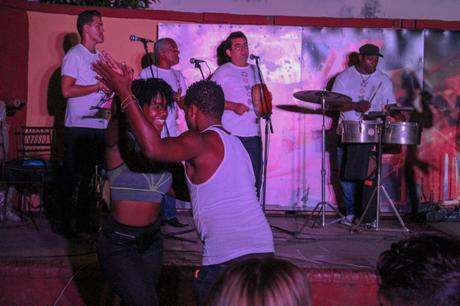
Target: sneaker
[11, 216]
[348, 220]
[370, 225]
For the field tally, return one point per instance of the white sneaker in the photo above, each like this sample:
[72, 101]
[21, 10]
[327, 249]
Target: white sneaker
[370, 225]
[348, 220]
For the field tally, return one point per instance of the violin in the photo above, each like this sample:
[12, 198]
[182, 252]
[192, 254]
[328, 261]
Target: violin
[262, 100]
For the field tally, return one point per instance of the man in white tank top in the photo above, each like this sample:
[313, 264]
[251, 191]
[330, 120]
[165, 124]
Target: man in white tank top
[219, 172]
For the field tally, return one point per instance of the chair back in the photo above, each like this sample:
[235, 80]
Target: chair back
[35, 142]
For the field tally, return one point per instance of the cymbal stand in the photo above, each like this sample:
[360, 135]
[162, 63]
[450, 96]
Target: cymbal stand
[320, 208]
[377, 192]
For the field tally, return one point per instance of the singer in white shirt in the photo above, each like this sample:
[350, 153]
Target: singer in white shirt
[237, 77]
[165, 56]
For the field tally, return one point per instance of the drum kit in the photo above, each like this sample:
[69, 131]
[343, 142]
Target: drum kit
[374, 131]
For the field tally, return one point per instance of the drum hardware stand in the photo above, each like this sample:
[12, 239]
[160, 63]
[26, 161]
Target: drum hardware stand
[380, 188]
[268, 127]
[320, 208]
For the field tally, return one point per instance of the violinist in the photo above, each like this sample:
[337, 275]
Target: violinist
[243, 105]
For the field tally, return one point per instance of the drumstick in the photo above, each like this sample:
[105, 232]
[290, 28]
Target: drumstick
[375, 92]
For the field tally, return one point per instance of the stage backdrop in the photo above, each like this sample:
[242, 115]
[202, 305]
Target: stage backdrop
[307, 58]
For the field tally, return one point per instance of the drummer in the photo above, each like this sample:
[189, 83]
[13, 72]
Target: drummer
[370, 90]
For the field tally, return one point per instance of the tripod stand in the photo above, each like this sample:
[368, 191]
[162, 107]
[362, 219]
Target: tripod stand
[377, 192]
[320, 208]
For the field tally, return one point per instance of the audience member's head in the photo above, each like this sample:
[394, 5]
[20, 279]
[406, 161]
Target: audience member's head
[260, 281]
[420, 271]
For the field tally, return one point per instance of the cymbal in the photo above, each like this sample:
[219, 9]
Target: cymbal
[302, 110]
[297, 109]
[316, 96]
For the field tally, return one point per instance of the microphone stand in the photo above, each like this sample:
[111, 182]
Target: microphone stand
[268, 127]
[149, 59]
[198, 66]
[174, 235]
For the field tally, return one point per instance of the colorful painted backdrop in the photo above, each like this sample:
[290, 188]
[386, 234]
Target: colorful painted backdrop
[423, 65]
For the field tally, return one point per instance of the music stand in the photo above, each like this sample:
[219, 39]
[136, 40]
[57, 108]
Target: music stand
[377, 192]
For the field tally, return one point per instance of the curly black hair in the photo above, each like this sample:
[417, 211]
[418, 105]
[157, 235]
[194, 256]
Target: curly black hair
[144, 91]
[208, 96]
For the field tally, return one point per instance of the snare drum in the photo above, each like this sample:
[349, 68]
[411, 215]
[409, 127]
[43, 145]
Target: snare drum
[364, 131]
[406, 133]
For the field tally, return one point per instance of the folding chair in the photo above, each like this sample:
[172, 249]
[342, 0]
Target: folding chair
[33, 167]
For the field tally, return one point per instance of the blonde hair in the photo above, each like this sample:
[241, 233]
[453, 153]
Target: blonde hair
[260, 282]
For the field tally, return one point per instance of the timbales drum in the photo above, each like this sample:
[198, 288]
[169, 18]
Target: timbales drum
[406, 133]
[363, 131]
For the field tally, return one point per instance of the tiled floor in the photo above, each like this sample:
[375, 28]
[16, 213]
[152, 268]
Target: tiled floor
[333, 246]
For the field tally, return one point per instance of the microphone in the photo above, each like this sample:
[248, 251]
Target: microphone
[142, 40]
[196, 61]
[254, 57]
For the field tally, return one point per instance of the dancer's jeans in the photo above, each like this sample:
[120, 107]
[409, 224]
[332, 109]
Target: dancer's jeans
[130, 258]
[254, 147]
[208, 275]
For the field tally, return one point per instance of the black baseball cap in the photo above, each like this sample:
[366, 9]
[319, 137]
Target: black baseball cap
[370, 49]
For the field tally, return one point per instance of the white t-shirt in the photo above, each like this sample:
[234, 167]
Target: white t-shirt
[363, 87]
[237, 84]
[225, 208]
[79, 113]
[176, 80]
